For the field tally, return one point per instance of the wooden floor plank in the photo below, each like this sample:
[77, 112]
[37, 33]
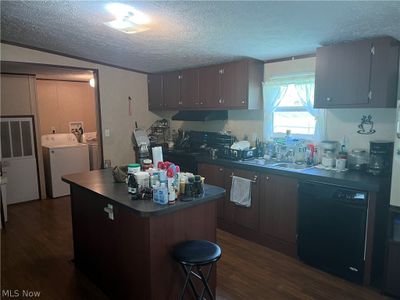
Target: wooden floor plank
[37, 251]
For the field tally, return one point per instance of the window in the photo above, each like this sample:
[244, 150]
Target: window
[289, 106]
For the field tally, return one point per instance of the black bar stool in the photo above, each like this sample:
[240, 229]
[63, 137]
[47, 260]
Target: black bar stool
[197, 254]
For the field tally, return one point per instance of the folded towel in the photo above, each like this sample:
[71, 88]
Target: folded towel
[241, 191]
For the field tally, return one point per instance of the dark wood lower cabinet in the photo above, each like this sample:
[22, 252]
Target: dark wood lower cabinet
[278, 211]
[246, 217]
[271, 220]
[129, 257]
[393, 269]
[214, 175]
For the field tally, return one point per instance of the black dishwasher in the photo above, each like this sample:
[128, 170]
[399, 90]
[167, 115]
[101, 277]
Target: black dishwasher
[332, 229]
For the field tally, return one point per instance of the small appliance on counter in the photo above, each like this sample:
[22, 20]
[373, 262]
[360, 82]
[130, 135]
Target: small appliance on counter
[329, 153]
[380, 158]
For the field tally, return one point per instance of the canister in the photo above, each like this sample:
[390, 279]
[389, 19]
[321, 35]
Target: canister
[133, 168]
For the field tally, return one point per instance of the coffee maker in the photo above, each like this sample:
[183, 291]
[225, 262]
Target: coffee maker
[380, 158]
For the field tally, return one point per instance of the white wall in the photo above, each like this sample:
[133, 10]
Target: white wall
[115, 87]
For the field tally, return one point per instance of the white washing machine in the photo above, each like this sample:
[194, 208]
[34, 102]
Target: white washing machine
[62, 155]
[90, 138]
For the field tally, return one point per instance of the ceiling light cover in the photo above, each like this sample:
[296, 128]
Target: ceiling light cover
[127, 13]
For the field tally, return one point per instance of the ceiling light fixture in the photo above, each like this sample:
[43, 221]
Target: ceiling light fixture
[127, 18]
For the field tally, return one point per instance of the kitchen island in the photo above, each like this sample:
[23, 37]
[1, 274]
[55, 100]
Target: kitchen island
[125, 245]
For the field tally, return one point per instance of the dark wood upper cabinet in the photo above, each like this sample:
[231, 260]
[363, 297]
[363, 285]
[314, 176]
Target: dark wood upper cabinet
[172, 90]
[189, 87]
[155, 92]
[209, 87]
[357, 74]
[278, 207]
[241, 84]
[235, 85]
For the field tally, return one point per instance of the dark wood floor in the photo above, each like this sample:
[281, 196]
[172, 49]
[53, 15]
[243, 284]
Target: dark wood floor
[37, 251]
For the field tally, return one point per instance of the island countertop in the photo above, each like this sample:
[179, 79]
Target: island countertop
[102, 183]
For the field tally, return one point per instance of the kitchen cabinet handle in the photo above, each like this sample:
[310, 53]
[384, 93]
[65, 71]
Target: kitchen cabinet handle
[220, 169]
[109, 209]
[328, 99]
[220, 101]
[253, 181]
[243, 102]
[201, 103]
[267, 178]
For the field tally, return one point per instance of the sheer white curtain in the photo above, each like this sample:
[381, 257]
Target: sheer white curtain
[305, 91]
[273, 92]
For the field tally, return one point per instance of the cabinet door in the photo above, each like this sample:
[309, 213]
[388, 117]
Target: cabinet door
[393, 269]
[247, 217]
[94, 237]
[154, 83]
[278, 207]
[384, 73]
[234, 85]
[171, 90]
[214, 175]
[342, 75]
[189, 88]
[209, 87]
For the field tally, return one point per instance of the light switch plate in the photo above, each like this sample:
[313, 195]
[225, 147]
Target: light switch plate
[107, 132]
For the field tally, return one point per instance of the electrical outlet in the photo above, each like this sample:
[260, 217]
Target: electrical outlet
[53, 129]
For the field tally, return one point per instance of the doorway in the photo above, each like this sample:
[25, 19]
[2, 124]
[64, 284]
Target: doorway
[65, 103]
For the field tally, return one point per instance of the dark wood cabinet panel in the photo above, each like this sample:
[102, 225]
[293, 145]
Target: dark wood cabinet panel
[278, 207]
[246, 217]
[342, 74]
[384, 73]
[209, 87]
[214, 175]
[155, 92]
[234, 85]
[172, 90]
[357, 74]
[393, 269]
[189, 88]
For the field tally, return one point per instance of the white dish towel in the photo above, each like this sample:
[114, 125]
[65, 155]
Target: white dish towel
[241, 191]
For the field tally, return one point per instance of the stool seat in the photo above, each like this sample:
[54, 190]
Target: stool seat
[197, 252]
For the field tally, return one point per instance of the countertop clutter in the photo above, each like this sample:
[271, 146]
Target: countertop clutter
[349, 179]
[101, 182]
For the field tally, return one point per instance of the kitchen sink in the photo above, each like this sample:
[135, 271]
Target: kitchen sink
[292, 166]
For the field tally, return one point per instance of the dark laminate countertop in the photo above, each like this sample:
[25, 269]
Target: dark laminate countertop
[102, 183]
[348, 179]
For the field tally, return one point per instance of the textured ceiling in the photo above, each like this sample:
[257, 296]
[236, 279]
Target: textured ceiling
[187, 34]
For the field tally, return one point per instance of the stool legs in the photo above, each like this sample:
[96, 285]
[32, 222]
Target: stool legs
[204, 279]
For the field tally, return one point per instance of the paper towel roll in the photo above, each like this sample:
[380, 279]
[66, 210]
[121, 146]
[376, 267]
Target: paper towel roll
[157, 155]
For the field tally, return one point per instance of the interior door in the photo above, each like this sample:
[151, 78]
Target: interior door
[19, 159]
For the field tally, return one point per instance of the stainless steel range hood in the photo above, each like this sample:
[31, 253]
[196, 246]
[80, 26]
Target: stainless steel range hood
[200, 115]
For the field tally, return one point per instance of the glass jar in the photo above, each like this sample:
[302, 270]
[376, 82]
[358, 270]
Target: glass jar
[358, 159]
